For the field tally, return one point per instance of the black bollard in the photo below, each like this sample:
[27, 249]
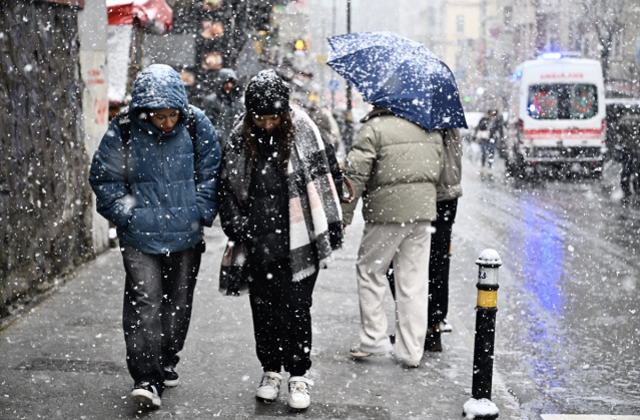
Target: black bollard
[480, 405]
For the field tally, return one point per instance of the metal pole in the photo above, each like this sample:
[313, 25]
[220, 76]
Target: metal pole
[483, 64]
[333, 33]
[335, 14]
[480, 405]
[348, 117]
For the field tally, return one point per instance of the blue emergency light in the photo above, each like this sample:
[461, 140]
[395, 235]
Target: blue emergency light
[551, 56]
[516, 76]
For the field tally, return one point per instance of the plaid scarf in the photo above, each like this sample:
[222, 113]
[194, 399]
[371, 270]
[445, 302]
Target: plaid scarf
[315, 214]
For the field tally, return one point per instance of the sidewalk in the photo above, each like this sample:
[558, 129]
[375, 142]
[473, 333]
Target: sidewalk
[65, 358]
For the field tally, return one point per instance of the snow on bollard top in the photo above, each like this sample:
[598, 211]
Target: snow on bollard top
[482, 408]
[489, 258]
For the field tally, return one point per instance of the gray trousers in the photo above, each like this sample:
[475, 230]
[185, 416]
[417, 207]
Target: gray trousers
[407, 246]
[157, 307]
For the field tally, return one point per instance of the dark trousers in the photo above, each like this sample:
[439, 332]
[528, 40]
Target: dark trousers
[488, 151]
[629, 169]
[281, 310]
[157, 307]
[439, 262]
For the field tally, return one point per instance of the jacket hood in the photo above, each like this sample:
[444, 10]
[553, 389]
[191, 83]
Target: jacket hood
[224, 75]
[159, 86]
[375, 113]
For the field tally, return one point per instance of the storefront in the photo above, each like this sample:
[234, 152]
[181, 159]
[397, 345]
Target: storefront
[129, 20]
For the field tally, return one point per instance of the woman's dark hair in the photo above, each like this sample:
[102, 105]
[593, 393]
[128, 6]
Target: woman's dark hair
[284, 136]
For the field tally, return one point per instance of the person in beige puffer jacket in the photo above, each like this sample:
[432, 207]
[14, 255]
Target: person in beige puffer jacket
[394, 166]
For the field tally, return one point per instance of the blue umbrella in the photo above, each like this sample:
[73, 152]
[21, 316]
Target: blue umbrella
[400, 75]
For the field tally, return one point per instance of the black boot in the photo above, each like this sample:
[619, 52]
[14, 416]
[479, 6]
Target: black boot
[432, 342]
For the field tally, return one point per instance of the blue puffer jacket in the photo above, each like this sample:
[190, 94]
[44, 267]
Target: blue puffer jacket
[166, 206]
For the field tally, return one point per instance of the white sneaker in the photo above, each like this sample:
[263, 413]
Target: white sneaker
[269, 387]
[146, 394]
[299, 398]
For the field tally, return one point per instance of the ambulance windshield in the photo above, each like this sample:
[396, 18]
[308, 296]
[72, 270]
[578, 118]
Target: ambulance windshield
[562, 101]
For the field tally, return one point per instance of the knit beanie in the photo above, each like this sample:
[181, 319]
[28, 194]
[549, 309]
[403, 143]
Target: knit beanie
[267, 94]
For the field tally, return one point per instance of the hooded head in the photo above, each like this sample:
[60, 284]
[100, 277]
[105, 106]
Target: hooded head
[227, 75]
[267, 94]
[227, 81]
[157, 87]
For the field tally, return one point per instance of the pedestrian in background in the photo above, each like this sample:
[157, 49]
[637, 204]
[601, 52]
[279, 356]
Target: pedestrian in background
[398, 163]
[157, 185]
[224, 105]
[278, 201]
[326, 123]
[448, 190]
[489, 133]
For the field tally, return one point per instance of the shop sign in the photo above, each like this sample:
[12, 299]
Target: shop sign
[212, 30]
[212, 61]
[213, 4]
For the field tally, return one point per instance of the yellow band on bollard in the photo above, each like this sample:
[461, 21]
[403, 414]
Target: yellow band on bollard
[488, 298]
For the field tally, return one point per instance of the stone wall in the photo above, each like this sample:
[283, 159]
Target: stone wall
[45, 214]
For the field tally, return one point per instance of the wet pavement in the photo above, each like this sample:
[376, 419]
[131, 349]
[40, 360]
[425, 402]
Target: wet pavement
[566, 340]
[65, 358]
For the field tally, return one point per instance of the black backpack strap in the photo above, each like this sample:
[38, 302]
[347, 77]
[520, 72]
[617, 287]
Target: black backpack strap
[124, 122]
[191, 128]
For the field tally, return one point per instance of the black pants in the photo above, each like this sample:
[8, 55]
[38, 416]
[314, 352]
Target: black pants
[439, 262]
[281, 310]
[629, 170]
[158, 300]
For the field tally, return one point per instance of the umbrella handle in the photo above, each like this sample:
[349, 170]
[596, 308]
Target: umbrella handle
[352, 193]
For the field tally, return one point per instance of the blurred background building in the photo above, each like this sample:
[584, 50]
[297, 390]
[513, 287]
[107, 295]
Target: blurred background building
[482, 41]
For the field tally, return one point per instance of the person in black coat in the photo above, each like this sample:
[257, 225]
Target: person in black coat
[279, 203]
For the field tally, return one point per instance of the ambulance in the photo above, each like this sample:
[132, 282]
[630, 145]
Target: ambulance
[557, 117]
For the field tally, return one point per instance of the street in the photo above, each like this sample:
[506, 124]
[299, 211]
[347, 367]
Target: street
[566, 340]
[567, 326]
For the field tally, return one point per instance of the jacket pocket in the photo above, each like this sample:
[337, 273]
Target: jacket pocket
[183, 219]
[144, 220]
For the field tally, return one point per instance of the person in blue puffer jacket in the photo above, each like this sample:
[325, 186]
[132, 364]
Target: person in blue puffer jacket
[159, 189]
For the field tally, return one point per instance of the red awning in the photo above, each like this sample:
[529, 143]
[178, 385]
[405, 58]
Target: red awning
[152, 14]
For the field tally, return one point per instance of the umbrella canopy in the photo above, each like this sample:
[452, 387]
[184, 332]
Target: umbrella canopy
[400, 75]
[153, 14]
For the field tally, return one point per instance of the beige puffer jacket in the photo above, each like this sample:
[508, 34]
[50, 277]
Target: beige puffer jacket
[398, 164]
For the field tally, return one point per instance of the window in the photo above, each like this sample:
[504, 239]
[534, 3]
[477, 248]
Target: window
[460, 24]
[562, 102]
[176, 50]
[431, 17]
[508, 12]
[617, 39]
